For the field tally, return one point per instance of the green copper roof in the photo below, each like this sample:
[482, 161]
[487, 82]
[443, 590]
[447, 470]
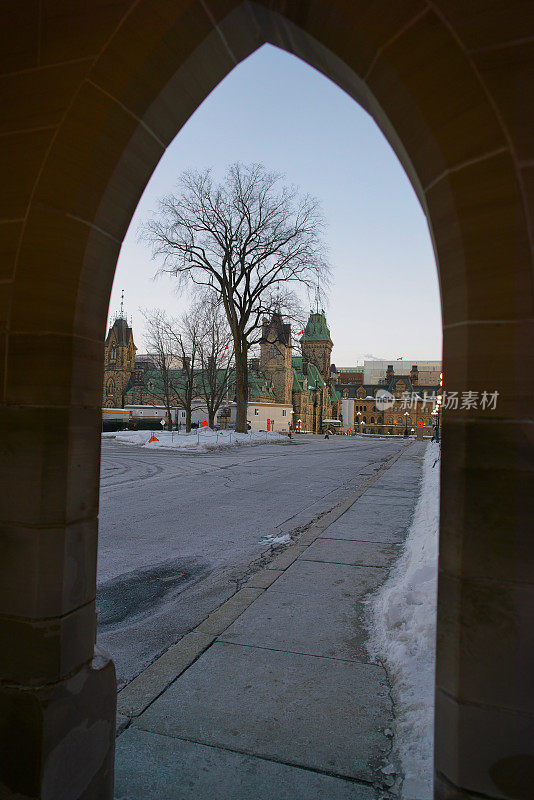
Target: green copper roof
[316, 329]
[315, 379]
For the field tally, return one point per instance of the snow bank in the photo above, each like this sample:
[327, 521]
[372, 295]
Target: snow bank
[402, 629]
[200, 441]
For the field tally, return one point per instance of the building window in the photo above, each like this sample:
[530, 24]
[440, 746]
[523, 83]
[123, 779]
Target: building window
[183, 413]
[284, 412]
[372, 420]
[256, 412]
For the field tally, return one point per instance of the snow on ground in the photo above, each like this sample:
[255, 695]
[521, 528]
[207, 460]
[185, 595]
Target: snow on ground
[402, 629]
[201, 440]
[277, 540]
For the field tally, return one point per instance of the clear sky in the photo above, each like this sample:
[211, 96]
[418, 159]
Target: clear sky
[275, 109]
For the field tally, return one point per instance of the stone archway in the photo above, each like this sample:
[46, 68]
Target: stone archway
[93, 93]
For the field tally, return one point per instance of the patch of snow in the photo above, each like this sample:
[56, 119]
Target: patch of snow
[402, 629]
[275, 541]
[201, 441]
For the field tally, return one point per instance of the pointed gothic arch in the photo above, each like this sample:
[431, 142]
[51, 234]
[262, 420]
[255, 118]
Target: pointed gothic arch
[93, 101]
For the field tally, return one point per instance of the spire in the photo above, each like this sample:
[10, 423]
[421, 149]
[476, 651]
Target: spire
[317, 307]
[317, 299]
[122, 305]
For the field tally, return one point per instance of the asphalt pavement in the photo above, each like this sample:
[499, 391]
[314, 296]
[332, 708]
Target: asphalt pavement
[181, 533]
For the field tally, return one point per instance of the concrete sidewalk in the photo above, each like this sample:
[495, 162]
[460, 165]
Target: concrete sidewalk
[273, 696]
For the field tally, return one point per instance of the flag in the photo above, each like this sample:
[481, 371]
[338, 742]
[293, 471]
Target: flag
[204, 423]
[399, 359]
[225, 349]
[300, 333]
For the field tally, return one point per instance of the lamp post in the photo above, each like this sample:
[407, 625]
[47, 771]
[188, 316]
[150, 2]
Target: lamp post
[359, 415]
[363, 429]
[437, 412]
[406, 424]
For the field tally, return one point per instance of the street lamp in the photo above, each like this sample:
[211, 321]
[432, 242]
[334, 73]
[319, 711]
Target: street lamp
[406, 424]
[359, 414]
[437, 412]
[363, 423]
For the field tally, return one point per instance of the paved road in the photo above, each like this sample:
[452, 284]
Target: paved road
[180, 532]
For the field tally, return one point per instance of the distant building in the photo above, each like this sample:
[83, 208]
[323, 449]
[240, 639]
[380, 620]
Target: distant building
[375, 371]
[412, 404]
[119, 363]
[285, 391]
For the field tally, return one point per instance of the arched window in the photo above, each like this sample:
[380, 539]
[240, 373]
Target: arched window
[364, 419]
[372, 420]
[391, 420]
[110, 386]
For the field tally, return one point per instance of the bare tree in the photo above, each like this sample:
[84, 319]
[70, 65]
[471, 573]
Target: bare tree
[160, 343]
[216, 355]
[174, 345]
[248, 239]
[186, 336]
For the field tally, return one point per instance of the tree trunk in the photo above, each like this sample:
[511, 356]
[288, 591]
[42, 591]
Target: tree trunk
[241, 390]
[188, 419]
[211, 418]
[169, 416]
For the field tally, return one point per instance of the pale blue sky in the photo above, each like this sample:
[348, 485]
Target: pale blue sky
[275, 109]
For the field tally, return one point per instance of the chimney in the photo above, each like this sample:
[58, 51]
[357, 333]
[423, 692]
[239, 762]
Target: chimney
[414, 375]
[389, 373]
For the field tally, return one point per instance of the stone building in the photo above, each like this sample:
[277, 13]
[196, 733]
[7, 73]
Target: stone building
[275, 356]
[315, 397]
[285, 391]
[119, 363]
[411, 403]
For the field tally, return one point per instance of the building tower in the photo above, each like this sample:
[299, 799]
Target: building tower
[275, 356]
[316, 342]
[119, 360]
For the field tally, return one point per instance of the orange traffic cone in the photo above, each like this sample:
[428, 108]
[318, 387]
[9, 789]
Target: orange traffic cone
[153, 439]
